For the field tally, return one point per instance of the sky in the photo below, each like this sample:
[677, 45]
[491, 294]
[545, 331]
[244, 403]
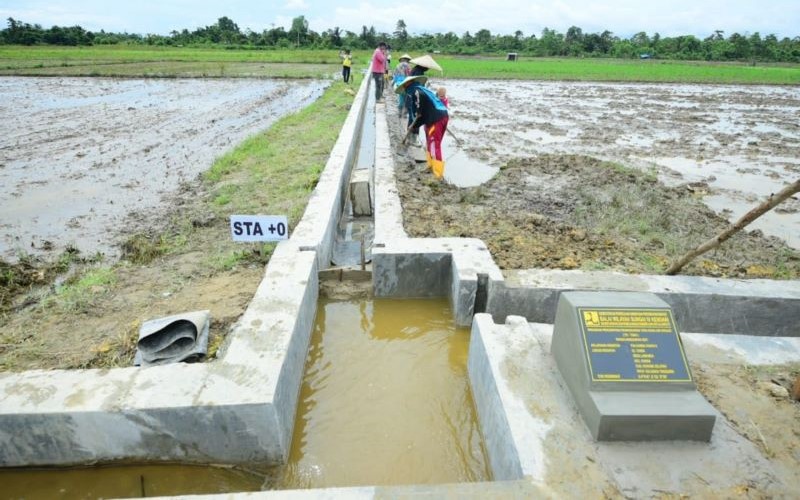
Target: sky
[622, 17]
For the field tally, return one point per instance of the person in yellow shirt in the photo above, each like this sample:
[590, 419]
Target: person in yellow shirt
[347, 62]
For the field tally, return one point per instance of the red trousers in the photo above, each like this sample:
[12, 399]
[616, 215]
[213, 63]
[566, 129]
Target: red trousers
[433, 138]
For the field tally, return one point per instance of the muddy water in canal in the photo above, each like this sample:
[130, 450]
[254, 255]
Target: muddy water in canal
[385, 399]
[124, 482]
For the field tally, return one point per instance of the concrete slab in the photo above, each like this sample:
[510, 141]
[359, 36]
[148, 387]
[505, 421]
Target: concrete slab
[438, 267]
[360, 193]
[239, 409]
[388, 210]
[760, 307]
[539, 419]
[506, 489]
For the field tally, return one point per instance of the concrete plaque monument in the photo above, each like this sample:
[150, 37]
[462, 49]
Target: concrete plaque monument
[622, 358]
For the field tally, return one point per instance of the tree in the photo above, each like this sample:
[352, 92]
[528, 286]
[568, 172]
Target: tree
[741, 46]
[335, 37]
[400, 33]
[299, 29]
[551, 43]
[574, 41]
[368, 37]
[483, 38]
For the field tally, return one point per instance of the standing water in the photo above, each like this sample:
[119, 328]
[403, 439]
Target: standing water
[385, 399]
[124, 481]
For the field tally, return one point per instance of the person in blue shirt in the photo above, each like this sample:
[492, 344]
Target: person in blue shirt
[430, 112]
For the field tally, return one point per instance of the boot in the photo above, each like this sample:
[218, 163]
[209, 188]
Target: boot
[438, 169]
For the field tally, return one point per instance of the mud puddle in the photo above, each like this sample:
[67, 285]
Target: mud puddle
[78, 156]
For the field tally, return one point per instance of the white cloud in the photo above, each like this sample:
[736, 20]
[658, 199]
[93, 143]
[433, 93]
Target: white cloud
[622, 17]
[296, 5]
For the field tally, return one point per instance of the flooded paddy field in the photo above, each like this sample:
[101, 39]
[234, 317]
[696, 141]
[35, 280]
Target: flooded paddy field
[742, 142]
[82, 159]
[563, 195]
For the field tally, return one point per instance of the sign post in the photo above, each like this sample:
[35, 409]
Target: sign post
[259, 227]
[623, 360]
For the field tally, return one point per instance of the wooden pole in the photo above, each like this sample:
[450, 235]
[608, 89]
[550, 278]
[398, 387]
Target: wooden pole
[746, 219]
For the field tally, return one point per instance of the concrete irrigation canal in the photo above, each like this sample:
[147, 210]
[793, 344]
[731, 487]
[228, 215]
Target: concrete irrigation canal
[451, 380]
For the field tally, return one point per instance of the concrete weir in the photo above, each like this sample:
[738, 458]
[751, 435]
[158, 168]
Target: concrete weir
[240, 408]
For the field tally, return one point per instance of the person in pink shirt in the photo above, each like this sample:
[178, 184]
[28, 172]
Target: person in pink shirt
[378, 68]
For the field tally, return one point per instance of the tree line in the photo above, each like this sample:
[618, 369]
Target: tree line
[549, 43]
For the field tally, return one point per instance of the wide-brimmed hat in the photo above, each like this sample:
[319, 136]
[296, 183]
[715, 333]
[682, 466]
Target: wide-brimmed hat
[426, 61]
[406, 57]
[401, 87]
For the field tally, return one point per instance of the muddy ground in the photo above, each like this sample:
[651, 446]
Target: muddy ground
[585, 178]
[83, 161]
[92, 161]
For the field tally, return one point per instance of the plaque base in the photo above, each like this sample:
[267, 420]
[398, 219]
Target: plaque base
[607, 345]
[649, 416]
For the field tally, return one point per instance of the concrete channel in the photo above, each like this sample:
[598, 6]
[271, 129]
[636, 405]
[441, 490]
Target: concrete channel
[240, 409]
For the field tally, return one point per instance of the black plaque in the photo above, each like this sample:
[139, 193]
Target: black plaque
[633, 345]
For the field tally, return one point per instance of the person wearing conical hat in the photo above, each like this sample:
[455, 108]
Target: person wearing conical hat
[429, 111]
[419, 65]
[402, 70]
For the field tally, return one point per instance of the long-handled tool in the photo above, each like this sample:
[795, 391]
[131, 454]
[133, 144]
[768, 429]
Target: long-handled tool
[459, 142]
[410, 129]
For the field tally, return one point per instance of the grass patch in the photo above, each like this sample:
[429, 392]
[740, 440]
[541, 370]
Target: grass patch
[79, 293]
[275, 172]
[208, 62]
[628, 205]
[619, 70]
[231, 258]
[115, 351]
[29, 272]
[144, 248]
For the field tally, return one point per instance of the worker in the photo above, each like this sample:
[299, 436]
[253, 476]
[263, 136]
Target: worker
[402, 70]
[378, 69]
[429, 111]
[347, 62]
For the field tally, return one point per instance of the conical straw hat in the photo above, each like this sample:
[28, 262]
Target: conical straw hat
[401, 87]
[426, 61]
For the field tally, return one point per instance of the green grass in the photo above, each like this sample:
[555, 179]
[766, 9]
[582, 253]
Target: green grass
[79, 295]
[618, 70]
[274, 172]
[136, 60]
[141, 53]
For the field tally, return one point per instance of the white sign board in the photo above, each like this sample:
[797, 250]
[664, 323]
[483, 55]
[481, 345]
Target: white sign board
[259, 227]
